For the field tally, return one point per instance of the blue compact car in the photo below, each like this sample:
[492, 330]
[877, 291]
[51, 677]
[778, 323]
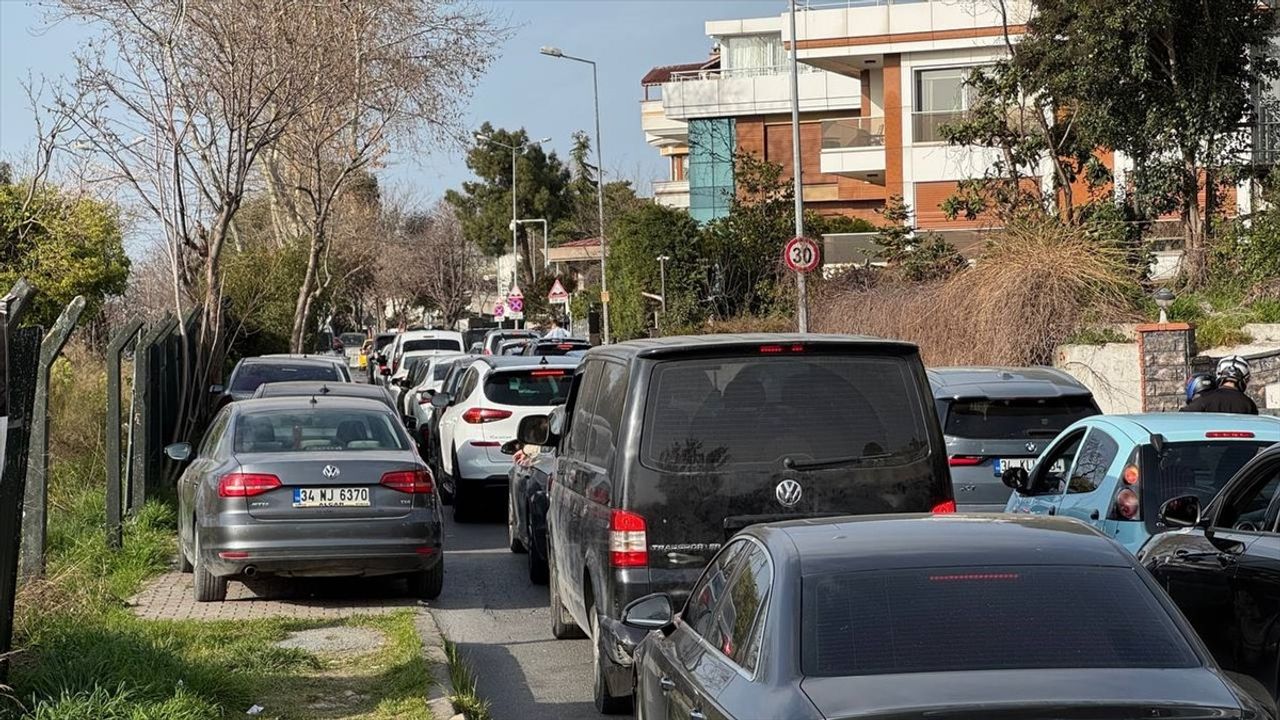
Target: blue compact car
[1115, 471]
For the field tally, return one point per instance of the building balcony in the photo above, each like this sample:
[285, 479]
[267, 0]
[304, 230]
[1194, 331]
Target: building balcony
[672, 193]
[660, 129]
[718, 93]
[854, 147]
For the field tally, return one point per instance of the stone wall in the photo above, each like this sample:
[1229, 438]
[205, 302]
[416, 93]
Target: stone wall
[1165, 351]
[1110, 371]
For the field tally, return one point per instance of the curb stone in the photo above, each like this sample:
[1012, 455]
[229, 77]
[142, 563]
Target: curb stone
[440, 694]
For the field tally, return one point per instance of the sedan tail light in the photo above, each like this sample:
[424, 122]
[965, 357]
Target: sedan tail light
[628, 541]
[246, 484]
[945, 507]
[414, 482]
[1127, 503]
[476, 415]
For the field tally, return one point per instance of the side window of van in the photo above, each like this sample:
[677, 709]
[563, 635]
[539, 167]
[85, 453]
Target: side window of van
[584, 405]
[607, 418]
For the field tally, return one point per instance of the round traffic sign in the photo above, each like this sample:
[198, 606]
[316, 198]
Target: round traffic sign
[801, 254]
[515, 304]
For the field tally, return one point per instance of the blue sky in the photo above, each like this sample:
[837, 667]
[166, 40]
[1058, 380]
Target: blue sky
[549, 97]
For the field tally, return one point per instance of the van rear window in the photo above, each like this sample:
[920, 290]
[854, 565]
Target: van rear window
[430, 344]
[985, 618]
[711, 414]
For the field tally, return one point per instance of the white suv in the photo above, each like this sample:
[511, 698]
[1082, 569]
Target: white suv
[492, 397]
[421, 340]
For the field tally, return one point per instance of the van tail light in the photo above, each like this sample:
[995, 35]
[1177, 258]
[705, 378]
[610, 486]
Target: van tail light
[1127, 503]
[628, 542]
[946, 507]
[476, 415]
[246, 484]
[413, 482]
[965, 460]
[780, 349]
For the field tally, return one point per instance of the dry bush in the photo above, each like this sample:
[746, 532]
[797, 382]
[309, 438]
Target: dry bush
[739, 324]
[1033, 286]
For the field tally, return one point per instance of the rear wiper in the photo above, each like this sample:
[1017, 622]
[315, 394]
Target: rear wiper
[791, 464]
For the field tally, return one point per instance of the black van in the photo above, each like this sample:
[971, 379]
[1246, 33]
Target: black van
[667, 447]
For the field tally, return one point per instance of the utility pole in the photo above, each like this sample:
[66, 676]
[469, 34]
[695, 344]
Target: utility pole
[662, 272]
[802, 291]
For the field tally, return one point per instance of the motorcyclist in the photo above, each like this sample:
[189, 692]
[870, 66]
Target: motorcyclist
[1228, 396]
[1198, 383]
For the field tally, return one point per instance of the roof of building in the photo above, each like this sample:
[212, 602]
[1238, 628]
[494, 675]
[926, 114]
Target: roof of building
[582, 242]
[662, 73]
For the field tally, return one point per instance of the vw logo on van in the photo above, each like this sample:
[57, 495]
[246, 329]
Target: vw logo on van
[331, 471]
[788, 492]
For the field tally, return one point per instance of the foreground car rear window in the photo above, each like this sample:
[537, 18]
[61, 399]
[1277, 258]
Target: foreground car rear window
[534, 387]
[316, 430]
[712, 414]
[249, 377]
[985, 618]
[1015, 418]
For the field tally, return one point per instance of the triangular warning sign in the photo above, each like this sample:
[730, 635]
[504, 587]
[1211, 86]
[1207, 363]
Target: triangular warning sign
[515, 292]
[557, 292]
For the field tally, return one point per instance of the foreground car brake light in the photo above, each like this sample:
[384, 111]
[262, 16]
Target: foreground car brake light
[628, 541]
[414, 482]
[246, 484]
[1236, 434]
[945, 507]
[475, 416]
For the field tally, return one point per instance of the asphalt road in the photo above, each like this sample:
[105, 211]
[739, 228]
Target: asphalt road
[501, 623]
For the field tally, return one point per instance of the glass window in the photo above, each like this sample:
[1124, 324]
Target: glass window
[430, 344]
[1049, 476]
[534, 387]
[316, 429]
[718, 413]
[712, 143]
[440, 370]
[251, 375]
[1095, 458]
[606, 421]
[752, 52]
[468, 384]
[941, 89]
[980, 618]
[742, 609]
[351, 340]
[1015, 418]
[709, 590]
[1257, 508]
[584, 405]
[1192, 468]
[213, 434]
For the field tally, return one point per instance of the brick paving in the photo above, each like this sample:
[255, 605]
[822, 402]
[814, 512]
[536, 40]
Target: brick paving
[169, 597]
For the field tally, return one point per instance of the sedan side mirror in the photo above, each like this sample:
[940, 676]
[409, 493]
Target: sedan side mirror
[1180, 512]
[534, 430]
[651, 612]
[1016, 478]
[410, 423]
[178, 452]
[440, 400]
[510, 447]
[217, 389]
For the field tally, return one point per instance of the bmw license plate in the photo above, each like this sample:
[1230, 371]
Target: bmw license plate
[331, 497]
[1002, 464]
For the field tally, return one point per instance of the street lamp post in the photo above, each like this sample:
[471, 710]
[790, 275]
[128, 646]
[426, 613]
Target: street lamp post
[515, 213]
[802, 293]
[604, 247]
[662, 272]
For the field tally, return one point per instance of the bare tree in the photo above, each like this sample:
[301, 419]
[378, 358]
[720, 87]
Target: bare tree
[181, 109]
[392, 71]
[429, 261]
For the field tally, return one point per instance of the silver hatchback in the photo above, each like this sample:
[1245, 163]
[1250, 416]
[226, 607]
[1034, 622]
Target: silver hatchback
[307, 487]
[996, 418]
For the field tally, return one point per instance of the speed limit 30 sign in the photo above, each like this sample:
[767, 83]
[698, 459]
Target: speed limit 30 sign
[801, 255]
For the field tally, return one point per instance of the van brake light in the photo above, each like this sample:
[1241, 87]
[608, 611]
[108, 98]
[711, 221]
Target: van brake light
[779, 349]
[628, 541]
[1238, 434]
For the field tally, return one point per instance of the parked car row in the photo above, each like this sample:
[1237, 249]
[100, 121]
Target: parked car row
[709, 473]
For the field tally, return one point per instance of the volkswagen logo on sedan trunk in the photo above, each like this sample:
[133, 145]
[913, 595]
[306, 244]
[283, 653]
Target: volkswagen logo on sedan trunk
[331, 471]
[788, 492]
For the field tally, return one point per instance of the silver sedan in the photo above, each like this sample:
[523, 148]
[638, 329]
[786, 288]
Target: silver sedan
[307, 487]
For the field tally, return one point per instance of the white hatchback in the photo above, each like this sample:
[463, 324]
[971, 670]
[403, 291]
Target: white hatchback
[494, 395]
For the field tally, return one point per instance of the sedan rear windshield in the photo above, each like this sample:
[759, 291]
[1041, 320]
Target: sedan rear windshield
[382, 341]
[251, 375]
[431, 344]
[717, 413]
[533, 387]
[1191, 468]
[316, 430]
[351, 339]
[985, 618]
[1015, 418]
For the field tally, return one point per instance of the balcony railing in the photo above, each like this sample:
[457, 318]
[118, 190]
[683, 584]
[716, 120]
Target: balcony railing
[862, 132]
[926, 127]
[717, 73]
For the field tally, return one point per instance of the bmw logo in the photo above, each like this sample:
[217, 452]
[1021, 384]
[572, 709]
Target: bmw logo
[1031, 447]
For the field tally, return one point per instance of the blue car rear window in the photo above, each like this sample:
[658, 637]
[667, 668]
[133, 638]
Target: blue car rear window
[985, 618]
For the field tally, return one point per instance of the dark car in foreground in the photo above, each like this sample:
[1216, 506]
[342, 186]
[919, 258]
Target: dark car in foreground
[947, 618]
[313, 388]
[252, 372]
[527, 502]
[670, 446]
[307, 487]
[996, 418]
[1223, 569]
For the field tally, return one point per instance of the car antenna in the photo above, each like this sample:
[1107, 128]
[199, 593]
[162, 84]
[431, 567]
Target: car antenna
[313, 399]
[324, 389]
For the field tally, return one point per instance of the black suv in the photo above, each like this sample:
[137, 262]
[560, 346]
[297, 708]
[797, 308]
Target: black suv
[667, 447]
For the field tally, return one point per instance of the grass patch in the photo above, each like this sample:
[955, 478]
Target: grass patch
[465, 698]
